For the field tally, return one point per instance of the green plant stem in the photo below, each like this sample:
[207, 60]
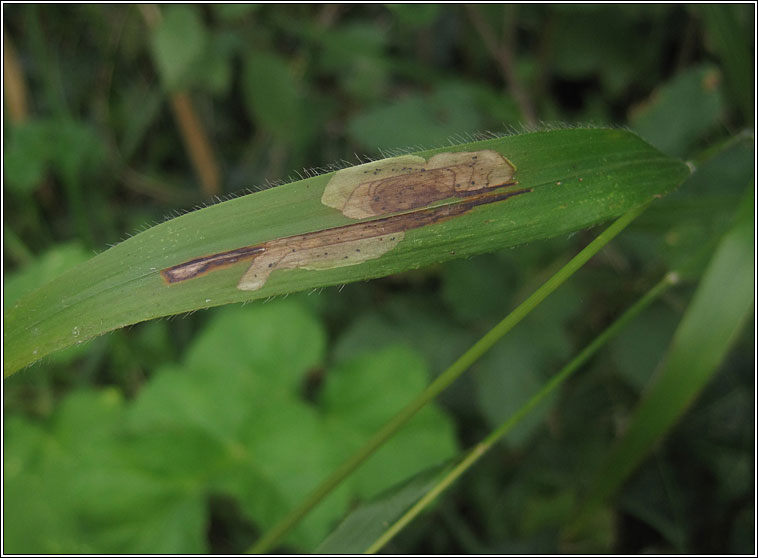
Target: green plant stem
[269, 539]
[485, 445]
[708, 329]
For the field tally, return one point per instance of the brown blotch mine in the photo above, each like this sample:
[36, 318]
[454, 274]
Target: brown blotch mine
[410, 182]
[206, 264]
[402, 185]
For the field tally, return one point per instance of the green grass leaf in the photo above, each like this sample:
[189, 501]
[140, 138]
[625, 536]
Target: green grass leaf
[728, 29]
[368, 522]
[723, 301]
[442, 382]
[541, 512]
[577, 178]
[45, 268]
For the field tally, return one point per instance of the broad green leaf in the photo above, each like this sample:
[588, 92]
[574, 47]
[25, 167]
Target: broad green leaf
[214, 72]
[27, 479]
[418, 119]
[514, 370]
[271, 348]
[537, 514]
[354, 54]
[272, 94]
[405, 321]
[577, 178]
[78, 491]
[28, 152]
[103, 475]
[682, 111]
[69, 147]
[350, 399]
[178, 44]
[43, 269]
[444, 380]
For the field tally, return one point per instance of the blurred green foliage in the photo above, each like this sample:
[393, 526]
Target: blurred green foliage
[142, 471]
[196, 434]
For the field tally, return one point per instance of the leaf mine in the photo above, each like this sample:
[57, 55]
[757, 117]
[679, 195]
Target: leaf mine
[397, 193]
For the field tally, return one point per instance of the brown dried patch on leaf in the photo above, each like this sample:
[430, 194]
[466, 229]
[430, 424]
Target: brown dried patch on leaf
[316, 253]
[330, 248]
[410, 182]
[206, 264]
[397, 191]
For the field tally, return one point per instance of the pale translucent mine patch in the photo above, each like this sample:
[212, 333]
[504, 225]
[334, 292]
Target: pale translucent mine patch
[409, 182]
[394, 195]
[310, 255]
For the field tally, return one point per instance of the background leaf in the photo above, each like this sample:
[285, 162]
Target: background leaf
[179, 43]
[272, 96]
[366, 523]
[237, 427]
[681, 112]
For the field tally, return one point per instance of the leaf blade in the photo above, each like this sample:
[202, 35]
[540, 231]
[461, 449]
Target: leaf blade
[713, 320]
[578, 178]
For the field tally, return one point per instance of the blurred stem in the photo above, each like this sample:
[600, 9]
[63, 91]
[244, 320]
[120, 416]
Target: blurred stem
[498, 434]
[464, 362]
[505, 56]
[14, 84]
[711, 324]
[190, 126]
[196, 141]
